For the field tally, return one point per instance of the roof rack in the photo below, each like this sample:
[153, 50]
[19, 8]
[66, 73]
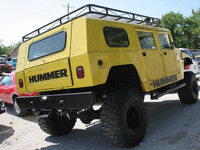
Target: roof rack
[95, 11]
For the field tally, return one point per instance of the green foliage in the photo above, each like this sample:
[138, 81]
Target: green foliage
[5, 50]
[185, 30]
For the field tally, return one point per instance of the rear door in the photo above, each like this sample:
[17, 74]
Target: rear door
[48, 65]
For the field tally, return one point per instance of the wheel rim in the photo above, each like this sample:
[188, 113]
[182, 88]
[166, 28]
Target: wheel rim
[132, 118]
[16, 107]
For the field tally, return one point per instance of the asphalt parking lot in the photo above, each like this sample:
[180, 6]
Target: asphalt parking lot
[171, 125]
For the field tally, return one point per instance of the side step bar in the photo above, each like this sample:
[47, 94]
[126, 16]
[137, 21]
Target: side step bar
[156, 96]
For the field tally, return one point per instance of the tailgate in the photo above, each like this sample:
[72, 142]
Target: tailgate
[52, 76]
[47, 66]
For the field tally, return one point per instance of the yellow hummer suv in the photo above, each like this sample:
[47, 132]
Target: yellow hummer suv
[100, 56]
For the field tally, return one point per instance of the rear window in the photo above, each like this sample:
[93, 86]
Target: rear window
[47, 46]
[116, 37]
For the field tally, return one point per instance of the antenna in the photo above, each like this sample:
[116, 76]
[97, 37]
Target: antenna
[68, 8]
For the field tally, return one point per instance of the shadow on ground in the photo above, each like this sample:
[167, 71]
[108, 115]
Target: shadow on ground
[29, 117]
[163, 118]
[5, 132]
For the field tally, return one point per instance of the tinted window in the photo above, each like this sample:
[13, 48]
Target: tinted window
[116, 37]
[47, 46]
[164, 40]
[6, 80]
[146, 40]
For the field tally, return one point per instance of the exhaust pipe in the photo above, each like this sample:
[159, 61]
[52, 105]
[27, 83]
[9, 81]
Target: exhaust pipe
[61, 112]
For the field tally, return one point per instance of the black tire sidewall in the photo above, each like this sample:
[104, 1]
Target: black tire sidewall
[194, 93]
[114, 118]
[55, 125]
[186, 94]
[134, 136]
[22, 111]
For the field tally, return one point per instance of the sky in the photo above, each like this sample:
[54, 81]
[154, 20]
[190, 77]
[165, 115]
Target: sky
[20, 17]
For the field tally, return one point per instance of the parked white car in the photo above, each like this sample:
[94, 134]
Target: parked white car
[194, 67]
[198, 59]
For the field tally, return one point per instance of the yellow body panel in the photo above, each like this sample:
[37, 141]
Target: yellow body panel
[86, 45]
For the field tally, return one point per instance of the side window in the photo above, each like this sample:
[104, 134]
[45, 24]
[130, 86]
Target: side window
[116, 37]
[47, 46]
[146, 40]
[164, 40]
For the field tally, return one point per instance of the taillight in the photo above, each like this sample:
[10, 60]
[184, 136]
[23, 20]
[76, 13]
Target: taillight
[80, 72]
[187, 67]
[21, 84]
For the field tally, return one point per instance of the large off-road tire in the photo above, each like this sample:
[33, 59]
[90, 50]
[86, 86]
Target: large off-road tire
[20, 112]
[124, 118]
[189, 93]
[55, 125]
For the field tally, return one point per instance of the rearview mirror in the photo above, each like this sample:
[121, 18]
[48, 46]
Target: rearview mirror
[173, 45]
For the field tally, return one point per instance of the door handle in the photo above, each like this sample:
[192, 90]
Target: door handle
[165, 53]
[144, 54]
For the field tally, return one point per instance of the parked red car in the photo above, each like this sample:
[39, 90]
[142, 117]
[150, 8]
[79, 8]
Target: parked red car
[8, 93]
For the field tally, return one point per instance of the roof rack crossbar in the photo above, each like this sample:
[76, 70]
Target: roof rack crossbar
[95, 11]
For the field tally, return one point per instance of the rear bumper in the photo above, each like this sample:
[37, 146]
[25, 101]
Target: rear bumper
[70, 101]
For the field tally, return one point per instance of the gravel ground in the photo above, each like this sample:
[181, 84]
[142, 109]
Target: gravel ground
[171, 126]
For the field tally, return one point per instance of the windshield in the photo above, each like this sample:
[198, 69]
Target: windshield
[189, 53]
[6, 80]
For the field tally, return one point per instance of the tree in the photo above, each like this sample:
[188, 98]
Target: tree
[5, 50]
[196, 31]
[2, 48]
[173, 22]
[185, 30]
